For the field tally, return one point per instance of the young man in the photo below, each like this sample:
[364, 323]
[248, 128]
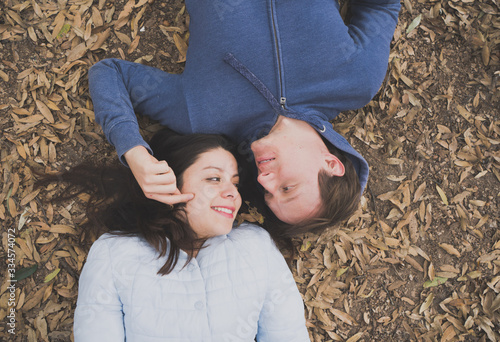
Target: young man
[270, 74]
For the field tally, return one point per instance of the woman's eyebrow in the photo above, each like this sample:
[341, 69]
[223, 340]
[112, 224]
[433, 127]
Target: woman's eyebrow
[213, 167]
[219, 169]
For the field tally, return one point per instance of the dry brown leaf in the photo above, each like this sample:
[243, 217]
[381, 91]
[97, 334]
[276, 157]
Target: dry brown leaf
[32, 34]
[52, 152]
[25, 248]
[62, 229]
[181, 46]
[431, 271]
[344, 317]
[448, 334]
[393, 105]
[396, 285]
[37, 9]
[394, 161]
[77, 52]
[24, 74]
[123, 38]
[314, 279]
[66, 293]
[4, 76]
[450, 249]
[30, 197]
[442, 195]
[58, 24]
[11, 205]
[101, 38]
[41, 326]
[460, 197]
[341, 253]
[389, 195]
[356, 337]
[323, 317]
[88, 30]
[427, 303]
[35, 299]
[477, 203]
[464, 112]
[414, 263]
[419, 192]
[134, 44]
[96, 17]
[417, 171]
[21, 151]
[485, 54]
[485, 324]
[396, 178]
[124, 14]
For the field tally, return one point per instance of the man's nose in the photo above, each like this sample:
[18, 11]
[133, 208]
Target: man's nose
[267, 180]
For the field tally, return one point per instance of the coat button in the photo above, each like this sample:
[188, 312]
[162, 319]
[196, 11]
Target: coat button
[199, 305]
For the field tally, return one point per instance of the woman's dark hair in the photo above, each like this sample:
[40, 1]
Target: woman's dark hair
[340, 198]
[117, 204]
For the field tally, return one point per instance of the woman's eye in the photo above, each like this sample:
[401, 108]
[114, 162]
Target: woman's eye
[286, 188]
[214, 179]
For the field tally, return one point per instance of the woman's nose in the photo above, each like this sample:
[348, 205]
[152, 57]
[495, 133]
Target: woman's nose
[230, 191]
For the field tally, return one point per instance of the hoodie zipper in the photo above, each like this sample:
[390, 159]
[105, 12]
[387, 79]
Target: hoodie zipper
[282, 97]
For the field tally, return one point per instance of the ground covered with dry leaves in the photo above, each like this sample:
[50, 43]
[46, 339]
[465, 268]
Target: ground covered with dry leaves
[419, 261]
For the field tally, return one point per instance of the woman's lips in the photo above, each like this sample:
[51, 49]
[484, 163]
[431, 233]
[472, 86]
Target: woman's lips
[224, 211]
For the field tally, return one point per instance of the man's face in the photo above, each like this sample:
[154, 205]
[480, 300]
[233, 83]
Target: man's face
[289, 160]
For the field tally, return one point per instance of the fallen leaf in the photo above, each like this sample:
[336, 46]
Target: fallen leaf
[51, 275]
[427, 303]
[442, 195]
[450, 249]
[25, 272]
[344, 317]
[435, 282]
[414, 24]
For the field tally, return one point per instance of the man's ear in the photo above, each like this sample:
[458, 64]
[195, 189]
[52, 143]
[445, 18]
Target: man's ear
[334, 166]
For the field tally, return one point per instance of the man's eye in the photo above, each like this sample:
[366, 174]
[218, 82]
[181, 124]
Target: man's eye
[286, 188]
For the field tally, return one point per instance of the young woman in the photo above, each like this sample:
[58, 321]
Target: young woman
[182, 272]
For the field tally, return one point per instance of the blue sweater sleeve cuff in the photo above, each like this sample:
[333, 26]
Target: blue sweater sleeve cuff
[124, 136]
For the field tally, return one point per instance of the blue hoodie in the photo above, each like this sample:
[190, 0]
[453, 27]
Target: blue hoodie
[249, 62]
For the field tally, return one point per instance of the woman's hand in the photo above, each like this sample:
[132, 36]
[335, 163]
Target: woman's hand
[156, 178]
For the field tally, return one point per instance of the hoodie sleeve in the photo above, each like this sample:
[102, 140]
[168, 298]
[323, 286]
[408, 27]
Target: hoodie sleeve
[282, 316]
[373, 22]
[98, 315]
[119, 89]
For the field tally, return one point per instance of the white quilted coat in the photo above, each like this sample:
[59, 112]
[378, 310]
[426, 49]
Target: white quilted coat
[239, 288]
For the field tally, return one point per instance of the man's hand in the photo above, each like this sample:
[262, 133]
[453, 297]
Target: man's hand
[156, 178]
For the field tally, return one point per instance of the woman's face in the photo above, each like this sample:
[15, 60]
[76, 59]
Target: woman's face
[213, 179]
